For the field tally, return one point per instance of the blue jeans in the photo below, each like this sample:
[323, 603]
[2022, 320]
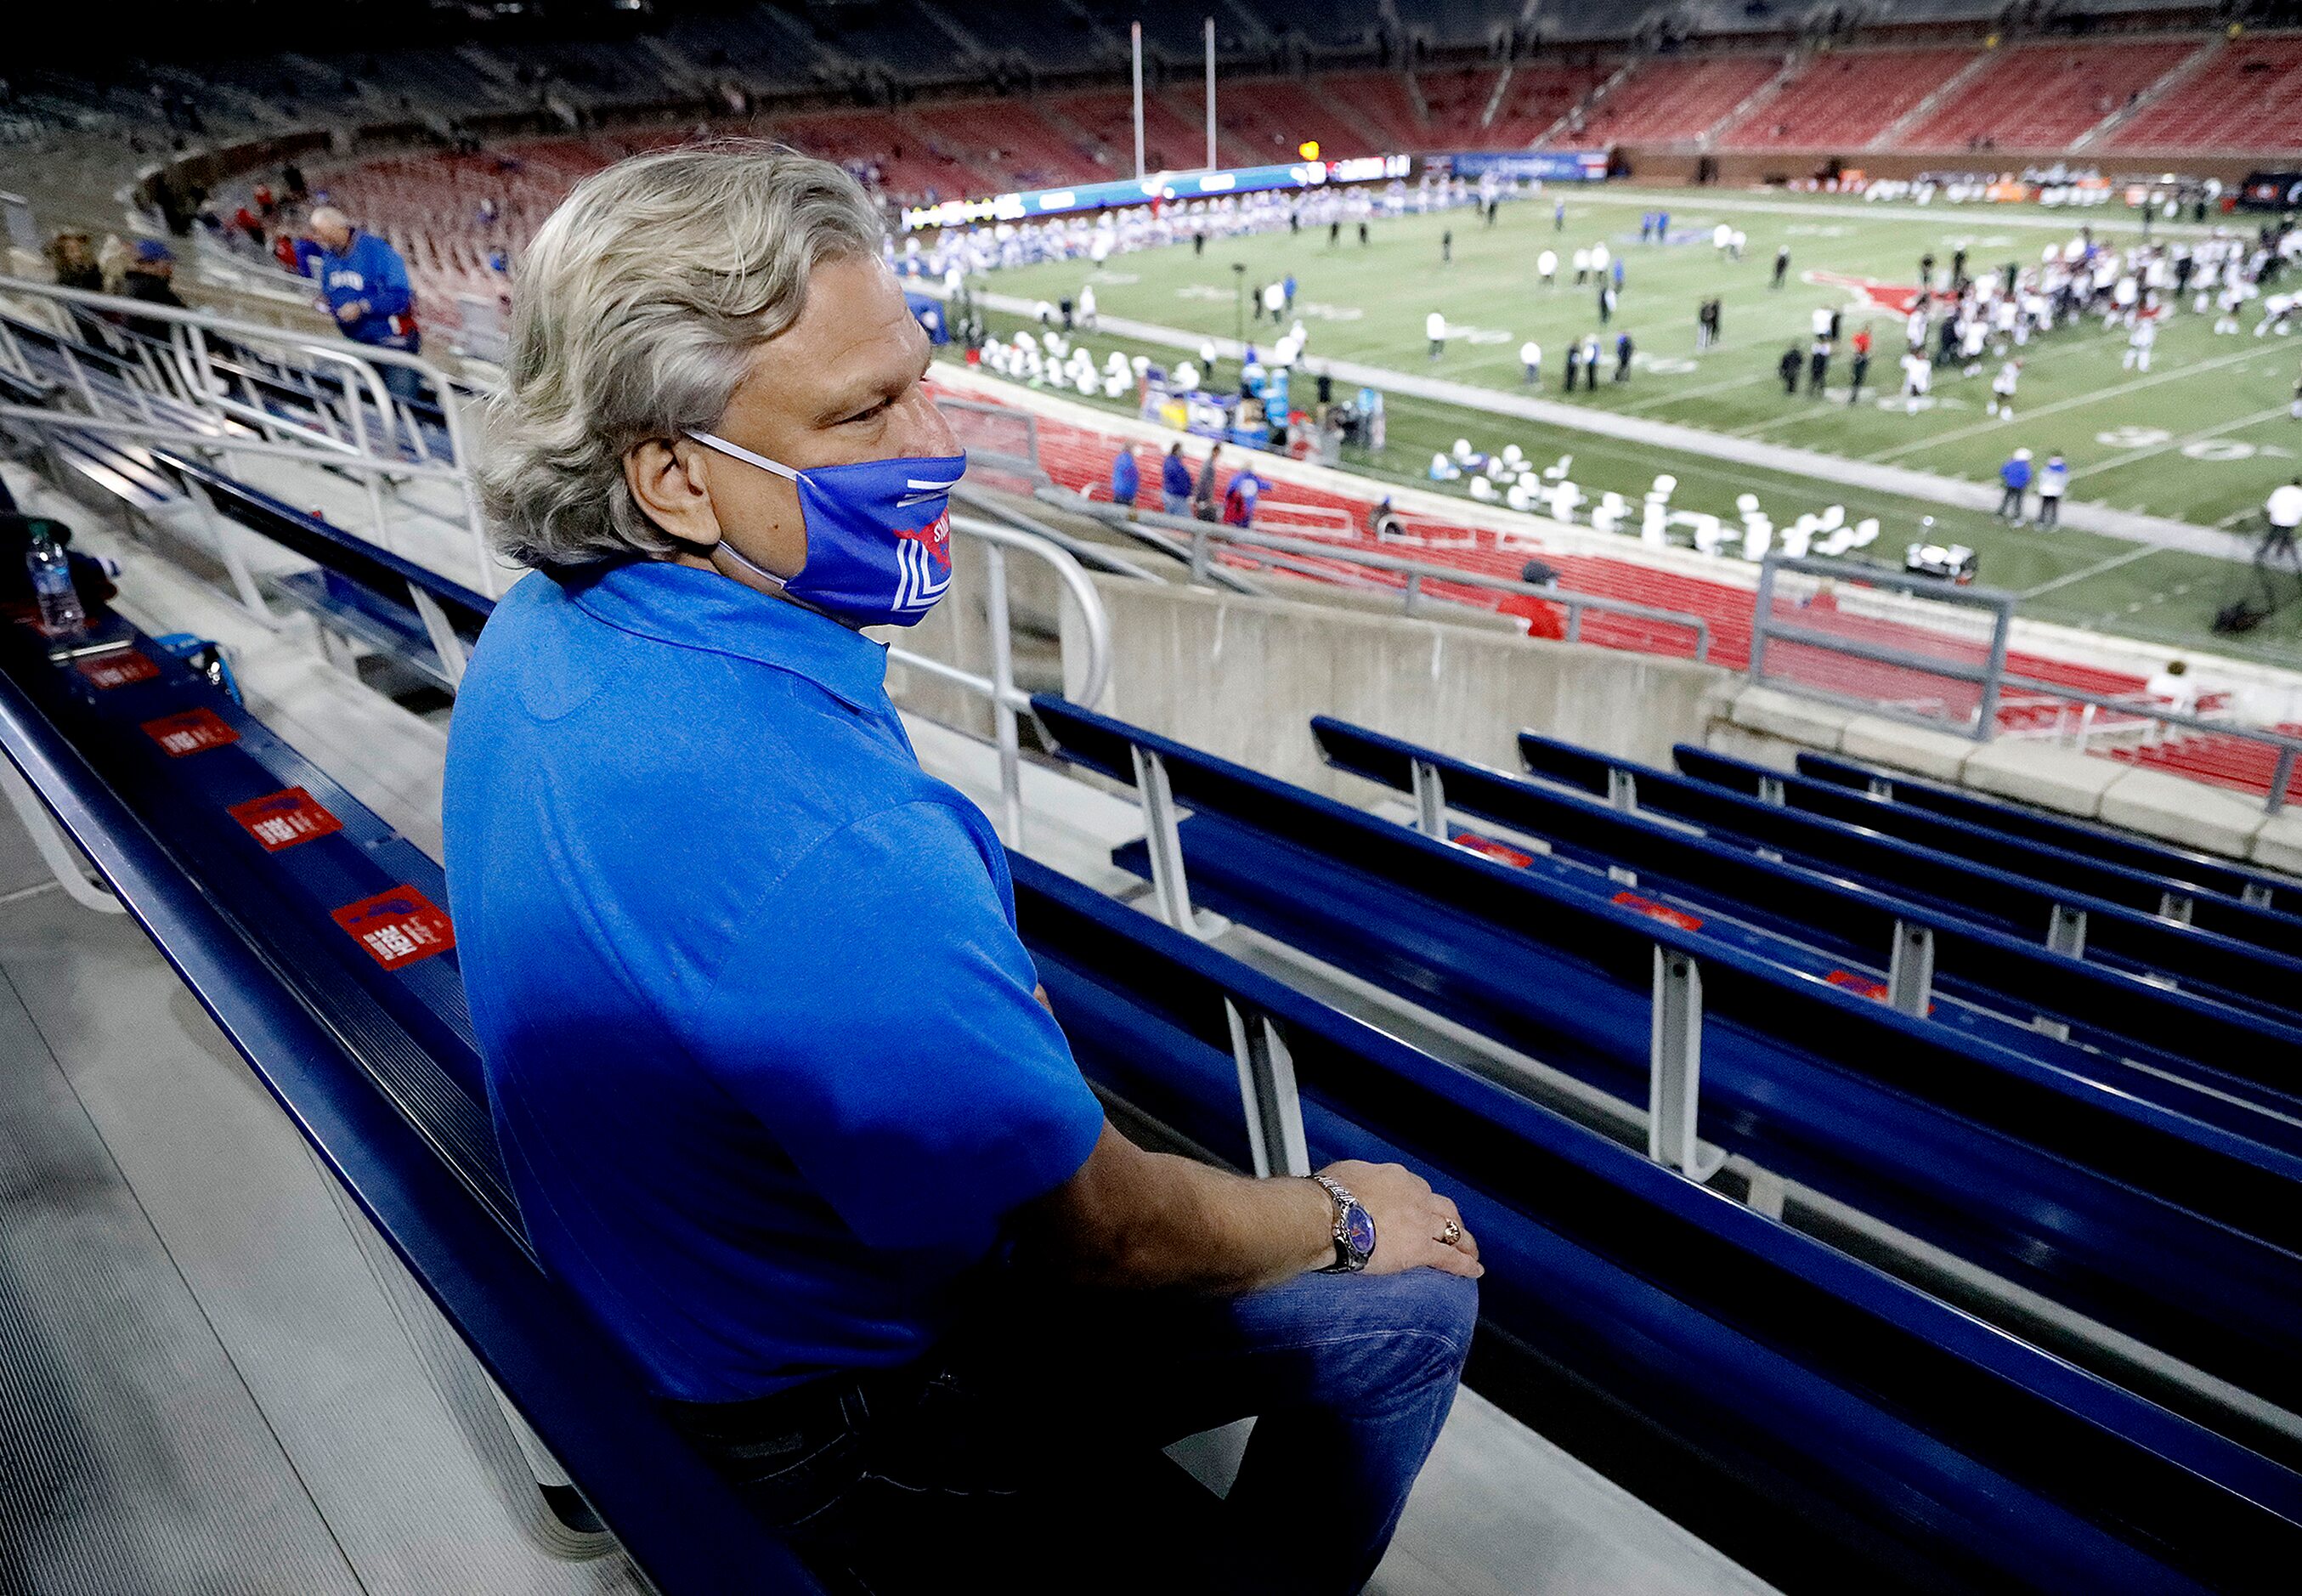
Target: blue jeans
[1046, 1391]
[1176, 504]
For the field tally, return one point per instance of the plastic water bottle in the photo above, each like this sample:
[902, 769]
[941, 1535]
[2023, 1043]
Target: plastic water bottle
[51, 571]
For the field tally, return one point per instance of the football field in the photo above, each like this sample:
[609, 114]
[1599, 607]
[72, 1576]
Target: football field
[2202, 437]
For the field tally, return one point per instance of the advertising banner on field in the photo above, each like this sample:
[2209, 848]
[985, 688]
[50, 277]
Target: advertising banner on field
[1524, 165]
[1163, 187]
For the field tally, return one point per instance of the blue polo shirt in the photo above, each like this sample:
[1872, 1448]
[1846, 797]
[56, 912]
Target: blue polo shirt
[761, 1043]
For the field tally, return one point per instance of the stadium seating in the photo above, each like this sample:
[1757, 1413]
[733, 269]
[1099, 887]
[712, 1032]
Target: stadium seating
[1382, 101]
[1670, 100]
[2201, 872]
[1008, 141]
[2247, 97]
[2043, 96]
[1784, 1075]
[1455, 106]
[2154, 892]
[1172, 142]
[1842, 99]
[1535, 100]
[1271, 118]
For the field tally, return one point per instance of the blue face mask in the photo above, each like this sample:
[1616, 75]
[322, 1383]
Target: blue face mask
[878, 534]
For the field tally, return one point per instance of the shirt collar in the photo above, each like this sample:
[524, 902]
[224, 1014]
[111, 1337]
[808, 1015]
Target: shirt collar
[701, 609]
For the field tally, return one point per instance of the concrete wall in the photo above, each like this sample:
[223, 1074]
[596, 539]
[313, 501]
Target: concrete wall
[1242, 677]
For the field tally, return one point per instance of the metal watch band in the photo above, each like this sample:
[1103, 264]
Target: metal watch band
[1340, 1196]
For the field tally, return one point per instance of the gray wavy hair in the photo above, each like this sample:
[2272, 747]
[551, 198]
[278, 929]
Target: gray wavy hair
[639, 305]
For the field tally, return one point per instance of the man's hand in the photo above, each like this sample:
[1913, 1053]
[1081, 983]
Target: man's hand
[351, 310]
[1409, 1220]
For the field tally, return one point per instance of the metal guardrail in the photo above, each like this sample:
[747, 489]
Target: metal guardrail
[1198, 538]
[1992, 677]
[195, 390]
[1010, 702]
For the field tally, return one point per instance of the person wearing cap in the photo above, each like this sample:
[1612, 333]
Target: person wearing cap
[366, 284]
[150, 278]
[2015, 477]
[2054, 481]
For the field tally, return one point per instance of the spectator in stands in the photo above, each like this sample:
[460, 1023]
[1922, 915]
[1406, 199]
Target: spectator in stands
[1203, 491]
[366, 284]
[2174, 688]
[772, 1086]
[151, 279]
[1175, 482]
[2014, 478]
[1240, 497]
[1125, 478]
[72, 256]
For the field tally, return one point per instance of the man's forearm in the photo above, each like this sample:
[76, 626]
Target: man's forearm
[1137, 1219]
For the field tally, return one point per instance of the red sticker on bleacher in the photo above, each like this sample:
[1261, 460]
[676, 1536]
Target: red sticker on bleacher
[1863, 983]
[283, 819]
[117, 670]
[399, 927]
[189, 731]
[1661, 911]
[1501, 852]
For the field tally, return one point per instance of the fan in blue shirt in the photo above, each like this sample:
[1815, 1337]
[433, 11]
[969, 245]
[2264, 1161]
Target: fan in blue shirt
[775, 1089]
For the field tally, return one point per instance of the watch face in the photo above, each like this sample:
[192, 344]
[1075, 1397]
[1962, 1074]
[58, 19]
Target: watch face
[1358, 1230]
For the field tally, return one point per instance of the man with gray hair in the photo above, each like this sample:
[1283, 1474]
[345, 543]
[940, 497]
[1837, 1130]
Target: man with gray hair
[776, 1088]
[365, 285]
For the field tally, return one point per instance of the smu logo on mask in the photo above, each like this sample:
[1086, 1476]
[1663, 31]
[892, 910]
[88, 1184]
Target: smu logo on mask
[923, 563]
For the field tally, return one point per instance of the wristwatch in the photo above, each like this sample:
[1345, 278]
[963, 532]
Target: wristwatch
[1354, 1230]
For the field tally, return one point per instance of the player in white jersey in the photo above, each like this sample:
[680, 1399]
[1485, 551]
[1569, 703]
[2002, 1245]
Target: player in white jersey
[1918, 379]
[1546, 267]
[2001, 389]
[2277, 315]
[1582, 267]
[2226, 304]
[2138, 342]
[1971, 336]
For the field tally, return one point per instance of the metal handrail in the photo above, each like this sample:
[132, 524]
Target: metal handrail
[1202, 533]
[1008, 702]
[210, 393]
[1991, 677]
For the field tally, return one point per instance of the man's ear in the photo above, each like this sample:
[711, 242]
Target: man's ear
[669, 479]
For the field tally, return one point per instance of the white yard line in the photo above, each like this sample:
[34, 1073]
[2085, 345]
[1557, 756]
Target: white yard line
[2096, 569]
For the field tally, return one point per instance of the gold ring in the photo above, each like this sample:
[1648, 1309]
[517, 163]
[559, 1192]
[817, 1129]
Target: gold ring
[1451, 1234]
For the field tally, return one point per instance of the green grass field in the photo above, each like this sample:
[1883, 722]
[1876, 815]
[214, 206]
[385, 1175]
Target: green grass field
[2202, 437]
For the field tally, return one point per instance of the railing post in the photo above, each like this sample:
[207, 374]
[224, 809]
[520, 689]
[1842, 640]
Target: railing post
[1911, 970]
[2281, 779]
[1414, 592]
[224, 535]
[1430, 800]
[1199, 553]
[1986, 714]
[1762, 614]
[1771, 791]
[1003, 688]
[1675, 1067]
[1172, 887]
[1574, 622]
[445, 644]
[1267, 1093]
[2256, 893]
[1622, 789]
[2066, 931]
[2177, 906]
